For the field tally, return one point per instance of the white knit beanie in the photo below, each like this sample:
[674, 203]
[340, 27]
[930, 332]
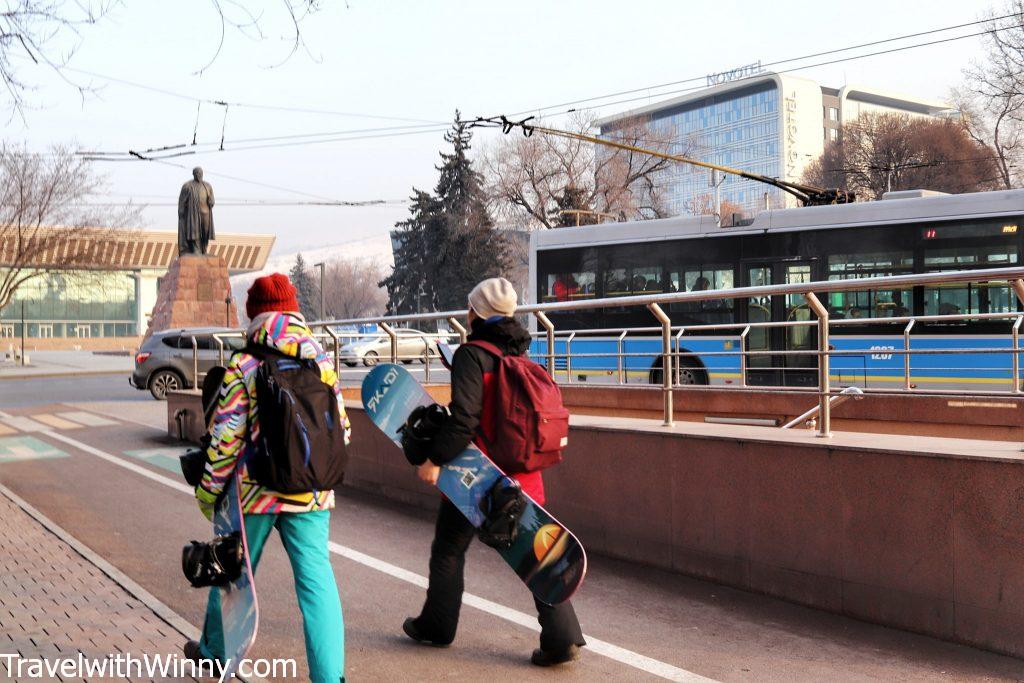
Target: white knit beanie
[494, 297]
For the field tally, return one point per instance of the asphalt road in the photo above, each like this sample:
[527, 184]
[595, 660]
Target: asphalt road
[638, 619]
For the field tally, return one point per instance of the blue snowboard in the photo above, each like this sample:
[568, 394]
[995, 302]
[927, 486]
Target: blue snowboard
[238, 607]
[546, 556]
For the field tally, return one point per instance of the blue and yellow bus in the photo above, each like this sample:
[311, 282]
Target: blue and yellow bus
[904, 233]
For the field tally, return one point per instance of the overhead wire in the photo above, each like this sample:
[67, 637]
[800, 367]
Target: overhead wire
[246, 105]
[648, 89]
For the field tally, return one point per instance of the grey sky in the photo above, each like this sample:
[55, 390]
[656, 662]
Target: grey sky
[421, 60]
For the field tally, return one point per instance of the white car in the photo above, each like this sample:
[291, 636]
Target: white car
[412, 345]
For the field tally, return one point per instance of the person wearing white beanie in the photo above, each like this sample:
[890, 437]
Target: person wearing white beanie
[492, 307]
[494, 298]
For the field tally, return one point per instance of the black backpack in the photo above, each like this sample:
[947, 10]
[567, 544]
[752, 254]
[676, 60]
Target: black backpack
[301, 446]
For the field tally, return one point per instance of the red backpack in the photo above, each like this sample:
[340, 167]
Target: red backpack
[529, 426]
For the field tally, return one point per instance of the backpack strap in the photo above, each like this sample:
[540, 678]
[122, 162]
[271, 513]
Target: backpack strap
[487, 346]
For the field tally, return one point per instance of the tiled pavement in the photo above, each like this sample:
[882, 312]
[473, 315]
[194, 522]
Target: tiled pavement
[55, 603]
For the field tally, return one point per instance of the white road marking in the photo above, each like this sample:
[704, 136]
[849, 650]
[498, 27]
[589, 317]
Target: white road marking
[619, 654]
[595, 645]
[121, 462]
[88, 419]
[25, 424]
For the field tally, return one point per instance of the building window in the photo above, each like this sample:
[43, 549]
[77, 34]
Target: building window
[45, 331]
[833, 134]
[833, 114]
[6, 331]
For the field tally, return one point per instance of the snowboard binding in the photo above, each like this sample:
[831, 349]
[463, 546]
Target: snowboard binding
[216, 563]
[503, 506]
[418, 432]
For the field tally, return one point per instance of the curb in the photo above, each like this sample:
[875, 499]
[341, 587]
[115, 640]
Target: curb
[169, 616]
[165, 613]
[70, 373]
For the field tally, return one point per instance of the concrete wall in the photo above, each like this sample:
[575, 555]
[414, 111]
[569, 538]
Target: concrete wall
[924, 534]
[72, 344]
[999, 418]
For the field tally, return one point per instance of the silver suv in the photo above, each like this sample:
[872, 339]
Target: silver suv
[164, 362]
[412, 345]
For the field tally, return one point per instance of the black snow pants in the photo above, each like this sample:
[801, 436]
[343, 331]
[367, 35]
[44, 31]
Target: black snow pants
[440, 616]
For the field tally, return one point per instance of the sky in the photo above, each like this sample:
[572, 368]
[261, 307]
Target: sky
[400, 63]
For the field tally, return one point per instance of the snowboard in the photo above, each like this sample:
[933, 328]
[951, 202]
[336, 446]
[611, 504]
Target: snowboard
[546, 556]
[239, 610]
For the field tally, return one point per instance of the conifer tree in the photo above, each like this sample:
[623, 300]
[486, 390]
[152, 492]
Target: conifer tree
[308, 293]
[449, 243]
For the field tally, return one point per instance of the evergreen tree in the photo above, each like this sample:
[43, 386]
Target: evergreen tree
[449, 243]
[308, 293]
[407, 284]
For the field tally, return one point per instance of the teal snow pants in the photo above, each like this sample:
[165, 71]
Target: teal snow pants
[305, 536]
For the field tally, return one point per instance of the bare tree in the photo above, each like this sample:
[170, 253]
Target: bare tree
[880, 152]
[45, 32]
[704, 205]
[991, 98]
[543, 181]
[46, 224]
[49, 32]
[351, 288]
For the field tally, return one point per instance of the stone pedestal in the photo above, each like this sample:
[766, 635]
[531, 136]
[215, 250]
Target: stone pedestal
[195, 292]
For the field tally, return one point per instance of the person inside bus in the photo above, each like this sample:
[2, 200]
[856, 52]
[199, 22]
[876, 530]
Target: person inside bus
[564, 288]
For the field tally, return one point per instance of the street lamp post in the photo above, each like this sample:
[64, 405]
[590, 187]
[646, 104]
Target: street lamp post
[323, 314]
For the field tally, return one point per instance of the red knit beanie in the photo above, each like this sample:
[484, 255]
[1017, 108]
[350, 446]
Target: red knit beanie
[271, 293]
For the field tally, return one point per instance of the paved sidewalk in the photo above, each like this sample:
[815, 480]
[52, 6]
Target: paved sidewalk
[57, 603]
[65, 363]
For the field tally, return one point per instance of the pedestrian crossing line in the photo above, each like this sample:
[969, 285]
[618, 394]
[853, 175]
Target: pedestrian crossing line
[24, 424]
[600, 647]
[25, 448]
[87, 419]
[164, 458]
[56, 422]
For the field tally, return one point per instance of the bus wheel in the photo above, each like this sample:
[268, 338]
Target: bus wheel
[689, 372]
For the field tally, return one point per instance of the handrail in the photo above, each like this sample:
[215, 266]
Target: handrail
[843, 396]
[669, 357]
[820, 287]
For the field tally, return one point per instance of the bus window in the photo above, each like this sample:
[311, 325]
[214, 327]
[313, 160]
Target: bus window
[631, 281]
[759, 310]
[982, 297]
[569, 287]
[699, 279]
[870, 303]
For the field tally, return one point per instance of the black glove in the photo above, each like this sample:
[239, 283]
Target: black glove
[419, 430]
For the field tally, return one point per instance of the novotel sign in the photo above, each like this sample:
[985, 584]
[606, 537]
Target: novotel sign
[739, 72]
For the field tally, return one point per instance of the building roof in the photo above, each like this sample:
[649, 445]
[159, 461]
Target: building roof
[698, 95]
[921, 105]
[130, 249]
[886, 98]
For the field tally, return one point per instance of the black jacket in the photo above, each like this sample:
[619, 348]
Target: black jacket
[469, 365]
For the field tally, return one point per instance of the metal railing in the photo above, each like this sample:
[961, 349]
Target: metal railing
[671, 355]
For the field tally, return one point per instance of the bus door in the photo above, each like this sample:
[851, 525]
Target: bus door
[780, 370]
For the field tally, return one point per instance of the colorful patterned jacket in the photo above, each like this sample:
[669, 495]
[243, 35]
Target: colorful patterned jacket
[236, 422]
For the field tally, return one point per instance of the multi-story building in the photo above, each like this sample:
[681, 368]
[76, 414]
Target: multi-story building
[767, 123]
[104, 299]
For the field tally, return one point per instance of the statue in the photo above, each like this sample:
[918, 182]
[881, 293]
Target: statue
[195, 215]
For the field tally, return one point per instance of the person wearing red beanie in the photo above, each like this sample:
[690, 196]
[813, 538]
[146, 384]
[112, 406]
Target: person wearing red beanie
[302, 519]
[271, 293]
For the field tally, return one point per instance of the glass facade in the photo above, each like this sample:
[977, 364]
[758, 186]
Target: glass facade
[82, 304]
[740, 129]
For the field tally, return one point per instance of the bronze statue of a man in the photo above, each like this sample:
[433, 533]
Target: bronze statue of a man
[195, 215]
